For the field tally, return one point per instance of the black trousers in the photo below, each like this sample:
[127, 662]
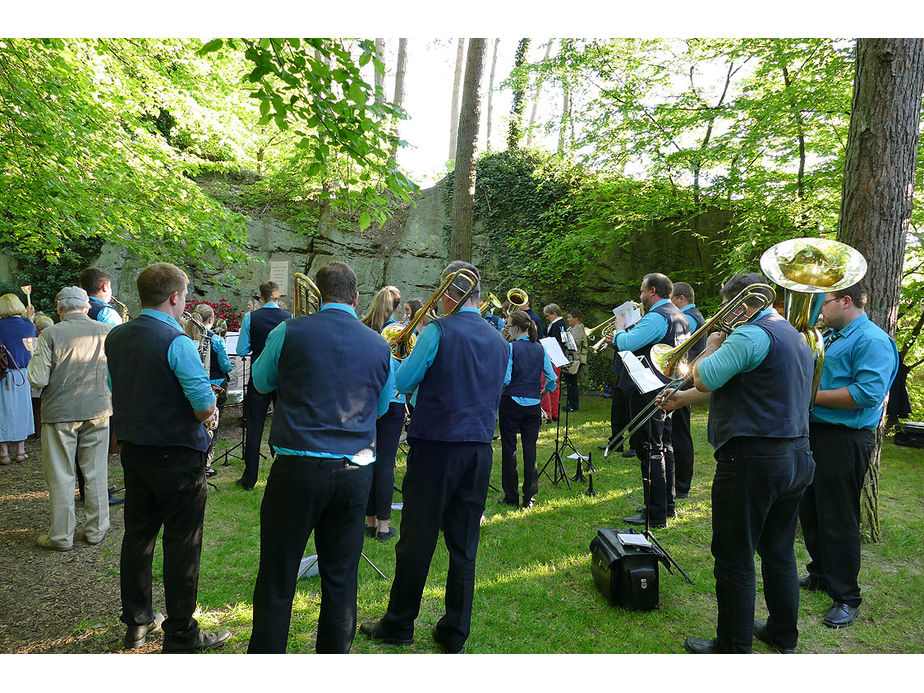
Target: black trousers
[514, 420]
[830, 510]
[573, 390]
[444, 488]
[164, 487]
[755, 503]
[682, 444]
[387, 433]
[256, 404]
[656, 459]
[305, 494]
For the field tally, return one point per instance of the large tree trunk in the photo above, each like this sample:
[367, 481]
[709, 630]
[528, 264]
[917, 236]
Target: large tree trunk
[491, 94]
[399, 87]
[535, 108]
[519, 97]
[878, 186]
[379, 77]
[456, 84]
[463, 189]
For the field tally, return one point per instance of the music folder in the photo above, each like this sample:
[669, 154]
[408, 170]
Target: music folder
[645, 380]
[553, 349]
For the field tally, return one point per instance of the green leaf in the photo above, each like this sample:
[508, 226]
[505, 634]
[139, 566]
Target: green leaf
[364, 220]
[211, 46]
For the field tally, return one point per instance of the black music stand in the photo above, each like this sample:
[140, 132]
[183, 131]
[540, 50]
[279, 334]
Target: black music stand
[241, 445]
[559, 472]
[310, 561]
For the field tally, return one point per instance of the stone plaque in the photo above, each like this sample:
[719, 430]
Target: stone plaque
[279, 273]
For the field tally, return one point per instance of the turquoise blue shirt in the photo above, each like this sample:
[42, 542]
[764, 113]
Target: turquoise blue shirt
[864, 359]
[551, 380]
[243, 339]
[414, 367]
[741, 352]
[649, 330]
[221, 351]
[690, 319]
[183, 359]
[265, 373]
[106, 313]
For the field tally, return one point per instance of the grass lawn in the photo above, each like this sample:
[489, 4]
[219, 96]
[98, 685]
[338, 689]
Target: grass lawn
[534, 591]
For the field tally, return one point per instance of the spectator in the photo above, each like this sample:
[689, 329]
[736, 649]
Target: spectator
[16, 335]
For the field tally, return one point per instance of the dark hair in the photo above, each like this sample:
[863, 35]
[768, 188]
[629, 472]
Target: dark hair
[267, 289]
[660, 283]
[158, 281]
[856, 292]
[337, 283]
[575, 313]
[93, 279]
[685, 290]
[415, 304]
[521, 320]
[739, 282]
[459, 289]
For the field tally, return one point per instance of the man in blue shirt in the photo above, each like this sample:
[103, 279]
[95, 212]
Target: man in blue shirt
[98, 285]
[333, 378]
[458, 368]
[255, 327]
[861, 361]
[758, 381]
[161, 397]
[663, 323]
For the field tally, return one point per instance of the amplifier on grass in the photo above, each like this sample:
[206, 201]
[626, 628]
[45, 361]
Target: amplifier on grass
[625, 567]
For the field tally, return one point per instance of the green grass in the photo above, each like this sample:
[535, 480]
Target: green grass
[534, 591]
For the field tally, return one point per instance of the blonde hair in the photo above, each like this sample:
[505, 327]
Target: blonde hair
[384, 304]
[10, 305]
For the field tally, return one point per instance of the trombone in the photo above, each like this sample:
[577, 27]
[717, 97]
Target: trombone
[307, 296]
[402, 339]
[670, 362]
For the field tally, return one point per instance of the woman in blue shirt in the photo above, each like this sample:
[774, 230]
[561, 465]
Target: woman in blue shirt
[518, 413]
[16, 422]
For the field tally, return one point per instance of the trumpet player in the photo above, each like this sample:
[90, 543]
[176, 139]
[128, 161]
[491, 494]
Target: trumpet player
[663, 323]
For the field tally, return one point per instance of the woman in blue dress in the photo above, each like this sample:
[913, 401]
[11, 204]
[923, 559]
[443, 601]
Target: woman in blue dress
[16, 421]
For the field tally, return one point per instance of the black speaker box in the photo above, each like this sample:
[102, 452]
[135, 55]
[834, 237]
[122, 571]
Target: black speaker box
[625, 568]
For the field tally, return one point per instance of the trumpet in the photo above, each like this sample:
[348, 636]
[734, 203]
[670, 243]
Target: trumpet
[402, 339]
[605, 329]
[307, 296]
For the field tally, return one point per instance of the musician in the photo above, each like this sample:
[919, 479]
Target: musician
[458, 368]
[540, 327]
[860, 364]
[553, 315]
[682, 441]
[519, 407]
[574, 370]
[255, 327]
[98, 285]
[219, 368]
[333, 376]
[161, 396]
[388, 429]
[663, 323]
[759, 381]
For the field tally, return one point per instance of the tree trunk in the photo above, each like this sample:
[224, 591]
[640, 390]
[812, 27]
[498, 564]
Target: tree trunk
[878, 187]
[379, 77]
[456, 84]
[491, 94]
[463, 189]
[565, 116]
[519, 97]
[532, 113]
[399, 87]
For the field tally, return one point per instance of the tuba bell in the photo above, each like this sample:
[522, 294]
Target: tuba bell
[307, 296]
[517, 298]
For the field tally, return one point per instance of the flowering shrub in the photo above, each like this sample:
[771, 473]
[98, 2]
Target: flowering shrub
[223, 311]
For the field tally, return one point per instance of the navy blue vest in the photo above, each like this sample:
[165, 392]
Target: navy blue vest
[772, 401]
[697, 348]
[95, 307]
[458, 397]
[332, 369]
[215, 371]
[526, 374]
[148, 403]
[678, 329]
[262, 322]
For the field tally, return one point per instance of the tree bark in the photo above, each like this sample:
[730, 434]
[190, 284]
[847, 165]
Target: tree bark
[878, 187]
[463, 189]
[456, 84]
[515, 131]
[491, 94]
[532, 113]
[399, 87]
[379, 77]
[565, 116]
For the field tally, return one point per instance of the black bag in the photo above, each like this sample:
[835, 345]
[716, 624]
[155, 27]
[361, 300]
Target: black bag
[625, 573]
[910, 434]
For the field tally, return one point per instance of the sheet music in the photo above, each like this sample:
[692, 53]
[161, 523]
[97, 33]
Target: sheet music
[553, 349]
[644, 379]
[631, 313]
[634, 540]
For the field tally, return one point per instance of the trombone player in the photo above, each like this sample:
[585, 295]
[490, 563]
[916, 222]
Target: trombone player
[759, 381]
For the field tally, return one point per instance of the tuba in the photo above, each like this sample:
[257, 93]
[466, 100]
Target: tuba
[307, 296]
[804, 268]
[517, 298]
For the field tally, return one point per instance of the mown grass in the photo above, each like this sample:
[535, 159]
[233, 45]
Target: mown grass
[534, 591]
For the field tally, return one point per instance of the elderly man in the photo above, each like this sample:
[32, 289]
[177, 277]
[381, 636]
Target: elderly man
[70, 364]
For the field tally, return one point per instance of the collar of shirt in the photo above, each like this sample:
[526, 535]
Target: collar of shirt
[659, 303]
[522, 336]
[76, 315]
[97, 300]
[762, 314]
[339, 306]
[854, 324]
[554, 321]
[162, 316]
[469, 309]
[687, 307]
[271, 304]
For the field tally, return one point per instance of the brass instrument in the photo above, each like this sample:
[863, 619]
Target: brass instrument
[606, 330]
[491, 302]
[517, 298]
[804, 267]
[307, 296]
[123, 309]
[204, 347]
[402, 339]
[671, 361]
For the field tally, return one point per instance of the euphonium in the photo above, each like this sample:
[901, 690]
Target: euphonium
[307, 296]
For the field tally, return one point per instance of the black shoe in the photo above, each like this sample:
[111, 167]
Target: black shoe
[760, 632]
[210, 472]
[506, 501]
[443, 646]
[370, 532]
[528, 503]
[811, 583]
[203, 641]
[136, 636]
[114, 499]
[700, 646]
[240, 482]
[629, 453]
[841, 615]
[639, 520]
[374, 630]
[387, 536]
[681, 496]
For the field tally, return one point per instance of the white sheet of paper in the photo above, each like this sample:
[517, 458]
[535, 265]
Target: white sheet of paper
[631, 313]
[644, 379]
[231, 342]
[552, 348]
[577, 456]
[633, 540]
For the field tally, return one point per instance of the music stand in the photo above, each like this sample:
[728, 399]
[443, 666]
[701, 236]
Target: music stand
[309, 562]
[559, 472]
[242, 443]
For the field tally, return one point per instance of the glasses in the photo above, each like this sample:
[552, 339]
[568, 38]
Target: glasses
[824, 303]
